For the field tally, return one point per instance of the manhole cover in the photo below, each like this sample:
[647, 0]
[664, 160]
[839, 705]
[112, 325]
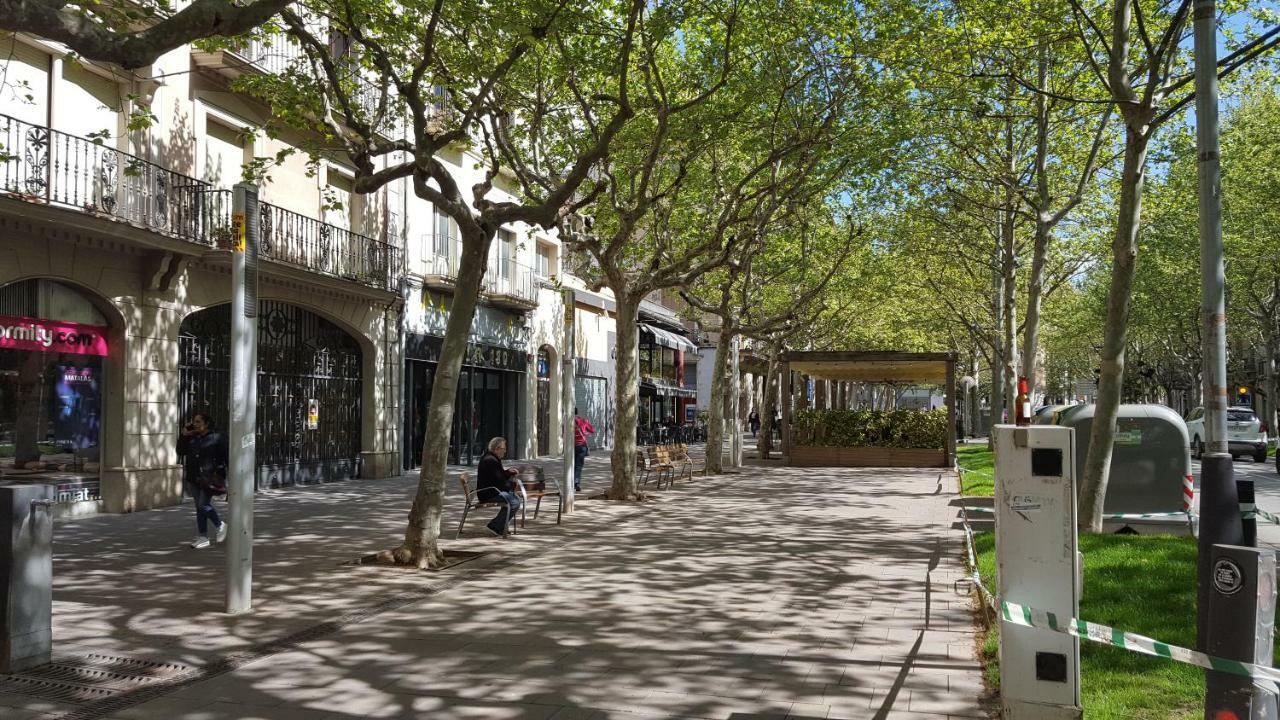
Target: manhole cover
[88, 678]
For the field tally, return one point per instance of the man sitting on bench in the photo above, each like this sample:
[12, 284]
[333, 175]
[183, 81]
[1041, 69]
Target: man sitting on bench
[493, 484]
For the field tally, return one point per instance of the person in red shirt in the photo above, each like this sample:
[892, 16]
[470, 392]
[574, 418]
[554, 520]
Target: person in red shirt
[581, 428]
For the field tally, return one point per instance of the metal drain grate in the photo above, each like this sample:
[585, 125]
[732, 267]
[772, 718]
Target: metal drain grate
[88, 678]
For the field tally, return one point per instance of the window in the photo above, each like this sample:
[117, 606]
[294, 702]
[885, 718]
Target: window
[544, 261]
[506, 254]
[443, 234]
[224, 154]
[339, 198]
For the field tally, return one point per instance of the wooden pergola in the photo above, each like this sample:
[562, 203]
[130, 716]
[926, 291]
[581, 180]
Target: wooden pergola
[869, 367]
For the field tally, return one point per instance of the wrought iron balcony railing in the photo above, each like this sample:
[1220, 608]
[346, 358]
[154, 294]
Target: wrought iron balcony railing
[271, 55]
[313, 245]
[511, 280]
[39, 164]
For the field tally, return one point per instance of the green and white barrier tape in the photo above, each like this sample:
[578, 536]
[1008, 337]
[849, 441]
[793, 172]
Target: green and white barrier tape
[1102, 634]
[1109, 516]
[1249, 511]
[1031, 617]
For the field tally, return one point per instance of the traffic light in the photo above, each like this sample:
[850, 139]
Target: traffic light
[1242, 395]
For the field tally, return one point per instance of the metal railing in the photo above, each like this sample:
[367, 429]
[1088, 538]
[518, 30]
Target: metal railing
[517, 282]
[294, 239]
[40, 164]
[270, 55]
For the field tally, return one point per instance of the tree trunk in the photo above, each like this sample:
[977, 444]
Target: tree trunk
[717, 417]
[421, 539]
[1271, 381]
[1124, 260]
[626, 396]
[768, 405]
[1035, 283]
[1009, 266]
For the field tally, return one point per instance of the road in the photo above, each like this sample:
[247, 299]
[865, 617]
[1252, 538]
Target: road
[1266, 486]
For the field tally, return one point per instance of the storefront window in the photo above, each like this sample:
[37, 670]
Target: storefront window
[52, 347]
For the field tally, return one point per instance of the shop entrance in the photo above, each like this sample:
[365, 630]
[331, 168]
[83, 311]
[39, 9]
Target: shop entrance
[53, 344]
[309, 390]
[544, 402]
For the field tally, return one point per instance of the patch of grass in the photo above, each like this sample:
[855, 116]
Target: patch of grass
[1139, 583]
[977, 467]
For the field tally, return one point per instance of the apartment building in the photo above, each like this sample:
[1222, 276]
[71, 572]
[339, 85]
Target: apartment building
[115, 284]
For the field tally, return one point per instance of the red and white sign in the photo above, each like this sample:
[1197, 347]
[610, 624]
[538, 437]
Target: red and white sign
[23, 333]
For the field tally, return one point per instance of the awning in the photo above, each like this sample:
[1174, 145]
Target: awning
[669, 339]
[664, 390]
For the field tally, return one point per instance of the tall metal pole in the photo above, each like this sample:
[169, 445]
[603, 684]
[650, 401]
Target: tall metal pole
[1213, 281]
[567, 401]
[735, 417]
[244, 397]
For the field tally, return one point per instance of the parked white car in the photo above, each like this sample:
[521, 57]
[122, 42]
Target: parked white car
[1246, 435]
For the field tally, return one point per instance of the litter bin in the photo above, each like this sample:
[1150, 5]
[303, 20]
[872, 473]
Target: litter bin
[1150, 460]
[26, 576]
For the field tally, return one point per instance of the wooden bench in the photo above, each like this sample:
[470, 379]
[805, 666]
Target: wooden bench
[530, 483]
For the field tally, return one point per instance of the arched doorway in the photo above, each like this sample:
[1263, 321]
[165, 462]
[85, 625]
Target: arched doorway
[544, 400]
[309, 389]
[53, 350]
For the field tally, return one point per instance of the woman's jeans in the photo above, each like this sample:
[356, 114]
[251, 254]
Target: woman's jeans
[579, 459]
[205, 511]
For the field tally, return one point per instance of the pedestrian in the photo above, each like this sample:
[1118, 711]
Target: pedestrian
[494, 484]
[581, 428]
[204, 474]
[754, 421]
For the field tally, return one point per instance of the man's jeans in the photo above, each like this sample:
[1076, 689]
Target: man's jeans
[205, 511]
[510, 506]
[579, 459]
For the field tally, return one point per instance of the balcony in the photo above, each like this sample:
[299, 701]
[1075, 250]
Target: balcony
[511, 285]
[441, 262]
[313, 245]
[48, 167]
[266, 56]
[45, 166]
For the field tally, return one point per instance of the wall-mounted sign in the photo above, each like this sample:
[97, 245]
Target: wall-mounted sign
[313, 414]
[23, 333]
[238, 232]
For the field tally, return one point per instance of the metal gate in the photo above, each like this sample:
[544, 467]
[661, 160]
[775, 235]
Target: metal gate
[304, 362]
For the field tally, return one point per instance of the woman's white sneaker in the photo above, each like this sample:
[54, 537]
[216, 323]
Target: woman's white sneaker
[222, 532]
[200, 542]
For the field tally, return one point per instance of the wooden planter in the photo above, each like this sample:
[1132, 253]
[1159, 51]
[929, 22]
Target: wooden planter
[812, 456]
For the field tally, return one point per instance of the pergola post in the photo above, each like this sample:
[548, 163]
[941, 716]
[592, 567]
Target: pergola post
[788, 396]
[950, 458]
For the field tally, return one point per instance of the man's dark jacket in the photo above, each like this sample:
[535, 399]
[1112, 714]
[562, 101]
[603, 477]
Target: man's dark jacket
[491, 477]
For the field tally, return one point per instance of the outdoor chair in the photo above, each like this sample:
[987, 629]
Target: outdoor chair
[660, 460]
[472, 503]
[688, 466]
[532, 483]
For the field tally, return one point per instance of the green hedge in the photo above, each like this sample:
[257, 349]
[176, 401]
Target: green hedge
[872, 428]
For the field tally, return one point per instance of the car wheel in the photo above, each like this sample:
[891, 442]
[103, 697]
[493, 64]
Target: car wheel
[1197, 448]
[1260, 456]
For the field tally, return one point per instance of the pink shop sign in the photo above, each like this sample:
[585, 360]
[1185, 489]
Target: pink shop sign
[23, 333]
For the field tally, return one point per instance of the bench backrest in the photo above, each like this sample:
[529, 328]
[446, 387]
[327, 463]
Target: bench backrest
[466, 486]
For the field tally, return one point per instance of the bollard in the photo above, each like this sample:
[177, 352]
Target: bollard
[1242, 605]
[1220, 524]
[1037, 565]
[26, 574]
[1249, 519]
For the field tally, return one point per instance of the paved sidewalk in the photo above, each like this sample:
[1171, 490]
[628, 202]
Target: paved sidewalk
[776, 592]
